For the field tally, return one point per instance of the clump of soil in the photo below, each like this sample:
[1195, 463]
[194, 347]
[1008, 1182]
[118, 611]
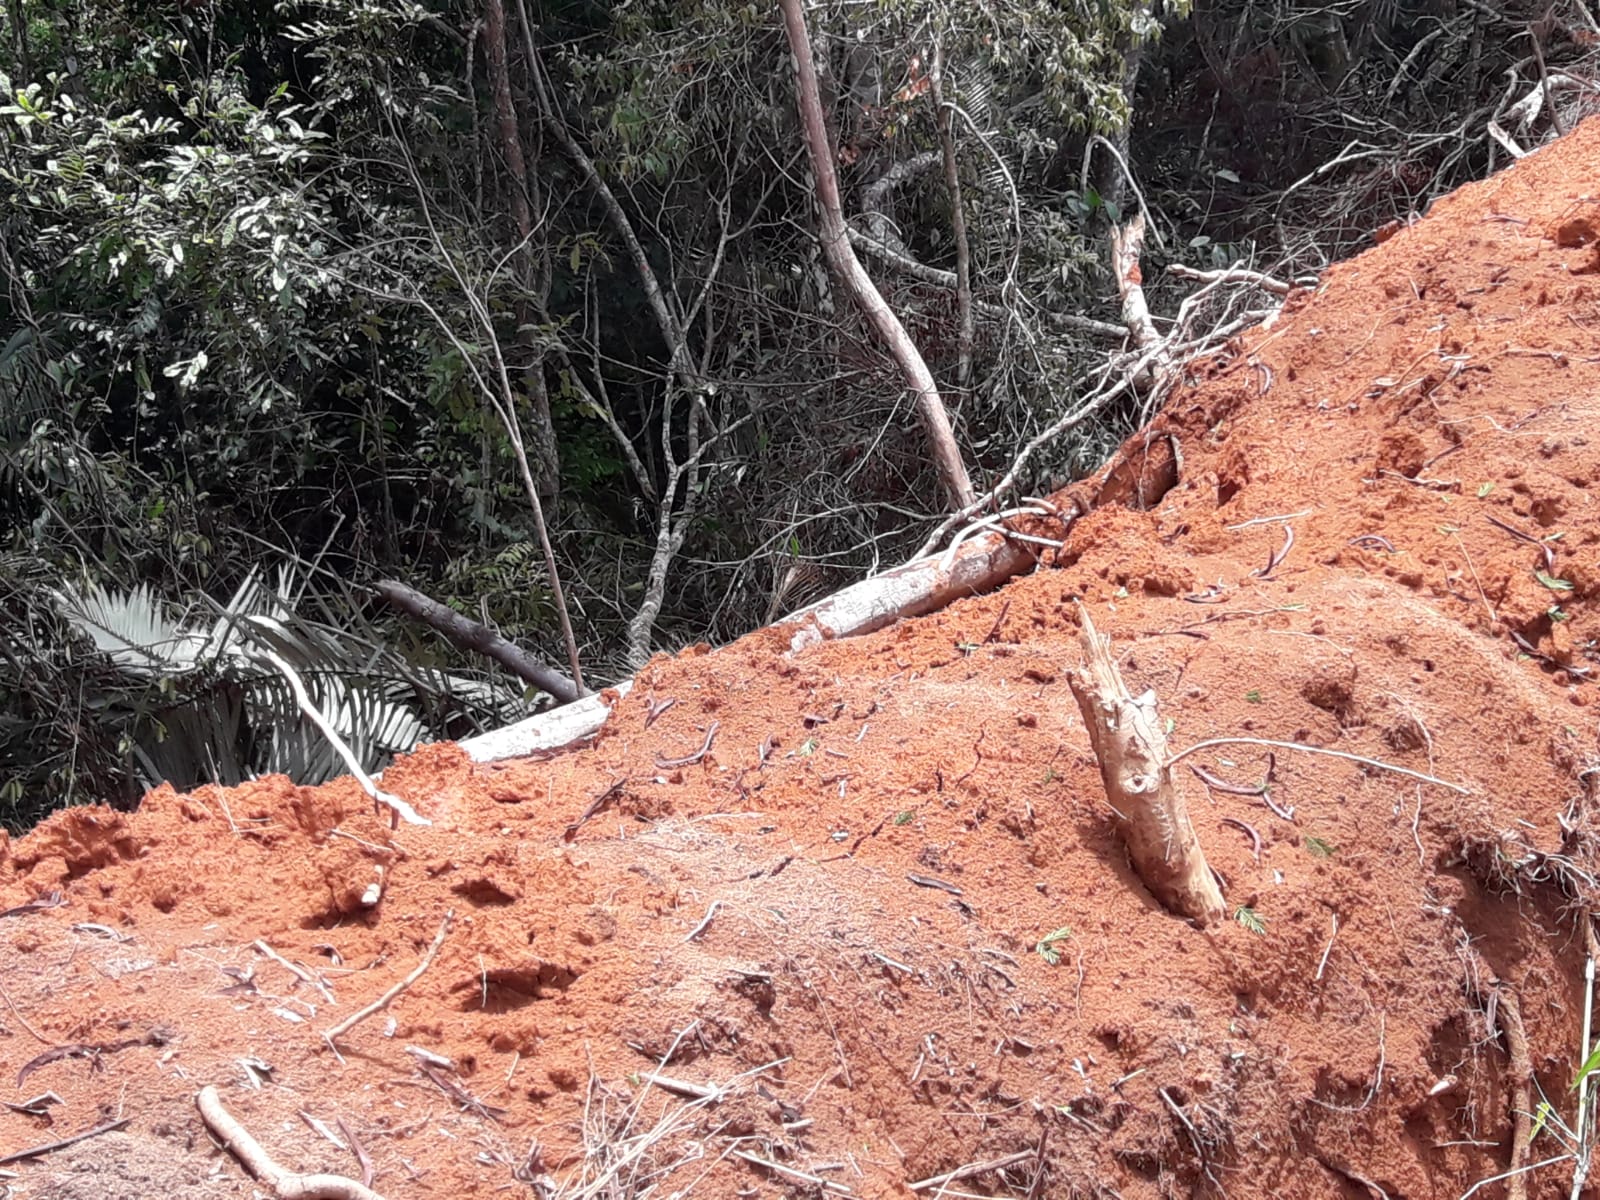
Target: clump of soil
[881, 932]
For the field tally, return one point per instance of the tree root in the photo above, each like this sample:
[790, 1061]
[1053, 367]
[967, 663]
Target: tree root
[285, 1184]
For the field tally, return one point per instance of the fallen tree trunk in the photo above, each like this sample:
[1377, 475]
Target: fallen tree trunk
[1131, 746]
[548, 731]
[980, 564]
[472, 635]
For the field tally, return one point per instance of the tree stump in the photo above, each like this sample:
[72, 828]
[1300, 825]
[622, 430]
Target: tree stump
[1150, 813]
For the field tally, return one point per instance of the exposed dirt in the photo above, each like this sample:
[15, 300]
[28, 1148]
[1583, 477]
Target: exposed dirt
[836, 914]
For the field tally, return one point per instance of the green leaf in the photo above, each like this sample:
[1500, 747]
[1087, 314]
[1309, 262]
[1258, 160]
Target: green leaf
[1250, 919]
[1049, 947]
[1555, 585]
[1318, 848]
[1484, 489]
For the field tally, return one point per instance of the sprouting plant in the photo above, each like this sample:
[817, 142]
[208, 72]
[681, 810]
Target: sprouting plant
[1320, 848]
[1253, 696]
[1250, 919]
[904, 818]
[1049, 947]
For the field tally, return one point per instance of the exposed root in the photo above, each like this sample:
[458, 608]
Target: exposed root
[285, 1184]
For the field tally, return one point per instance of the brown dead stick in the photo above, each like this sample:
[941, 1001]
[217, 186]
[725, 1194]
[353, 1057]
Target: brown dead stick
[382, 1002]
[971, 1169]
[667, 764]
[471, 635]
[359, 1151]
[1255, 838]
[1521, 1095]
[595, 805]
[286, 1184]
[48, 1147]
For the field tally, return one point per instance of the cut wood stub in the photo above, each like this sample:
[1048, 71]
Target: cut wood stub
[1131, 747]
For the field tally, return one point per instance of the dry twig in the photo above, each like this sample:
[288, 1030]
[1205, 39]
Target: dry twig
[48, 1147]
[382, 1002]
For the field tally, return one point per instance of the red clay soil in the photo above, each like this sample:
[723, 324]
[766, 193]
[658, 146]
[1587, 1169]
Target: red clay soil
[881, 926]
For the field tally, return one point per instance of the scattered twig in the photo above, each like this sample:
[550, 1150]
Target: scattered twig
[1543, 547]
[260, 1164]
[359, 1151]
[705, 922]
[1255, 838]
[1194, 1136]
[1361, 1180]
[667, 764]
[928, 881]
[1275, 560]
[1355, 758]
[994, 630]
[345, 1026]
[37, 904]
[971, 1169]
[655, 708]
[683, 1087]
[1328, 949]
[17, 1013]
[1222, 785]
[90, 1050]
[1236, 274]
[826, 1185]
[48, 1147]
[299, 972]
[456, 1092]
[1372, 541]
[595, 805]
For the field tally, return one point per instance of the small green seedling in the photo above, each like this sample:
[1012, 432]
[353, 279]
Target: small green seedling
[1049, 947]
[1318, 848]
[1253, 696]
[904, 818]
[1484, 489]
[1554, 584]
[1250, 919]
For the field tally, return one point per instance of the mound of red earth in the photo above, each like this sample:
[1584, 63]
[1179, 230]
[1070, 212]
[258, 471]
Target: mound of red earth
[853, 921]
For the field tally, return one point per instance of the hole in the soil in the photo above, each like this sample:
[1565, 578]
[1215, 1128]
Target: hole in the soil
[506, 989]
[1227, 489]
[483, 892]
[1427, 664]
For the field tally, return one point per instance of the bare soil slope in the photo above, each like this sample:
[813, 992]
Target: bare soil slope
[879, 931]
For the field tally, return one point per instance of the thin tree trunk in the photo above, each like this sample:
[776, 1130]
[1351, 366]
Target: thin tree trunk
[471, 635]
[19, 35]
[545, 452]
[1131, 746]
[833, 235]
[958, 221]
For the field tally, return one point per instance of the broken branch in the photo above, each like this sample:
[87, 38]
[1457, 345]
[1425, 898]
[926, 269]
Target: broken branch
[382, 1002]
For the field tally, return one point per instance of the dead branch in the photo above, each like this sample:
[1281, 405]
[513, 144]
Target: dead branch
[382, 1002]
[1521, 1094]
[971, 1169]
[1233, 275]
[1126, 242]
[62, 1144]
[288, 1186]
[472, 635]
[1131, 747]
[834, 238]
[958, 219]
[1377, 763]
[394, 803]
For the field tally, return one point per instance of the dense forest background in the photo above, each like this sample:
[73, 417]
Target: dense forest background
[306, 296]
